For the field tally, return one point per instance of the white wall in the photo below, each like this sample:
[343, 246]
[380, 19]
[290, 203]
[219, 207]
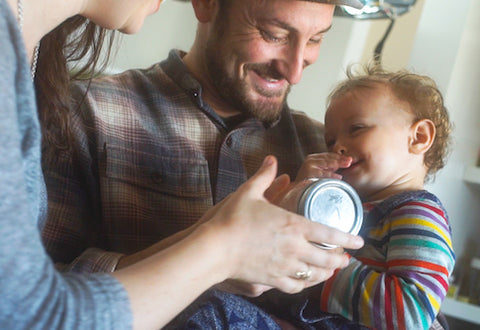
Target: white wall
[445, 45]
[174, 26]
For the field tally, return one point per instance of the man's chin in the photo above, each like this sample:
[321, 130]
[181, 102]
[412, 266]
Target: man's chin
[266, 112]
[266, 107]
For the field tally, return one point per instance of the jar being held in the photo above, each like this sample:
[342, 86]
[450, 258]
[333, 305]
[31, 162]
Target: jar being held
[331, 202]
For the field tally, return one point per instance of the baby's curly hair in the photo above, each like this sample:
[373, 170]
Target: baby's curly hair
[420, 92]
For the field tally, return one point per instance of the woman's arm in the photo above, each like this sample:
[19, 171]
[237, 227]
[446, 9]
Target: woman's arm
[244, 238]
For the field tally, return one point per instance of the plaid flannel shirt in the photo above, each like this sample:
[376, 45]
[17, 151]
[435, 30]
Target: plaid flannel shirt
[151, 156]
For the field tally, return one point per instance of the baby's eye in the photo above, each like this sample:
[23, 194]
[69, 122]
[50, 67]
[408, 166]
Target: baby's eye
[355, 128]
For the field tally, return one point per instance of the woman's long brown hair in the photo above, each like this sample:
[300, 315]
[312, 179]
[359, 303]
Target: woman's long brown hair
[71, 51]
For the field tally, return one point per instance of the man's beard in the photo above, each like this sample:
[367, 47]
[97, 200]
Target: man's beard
[236, 92]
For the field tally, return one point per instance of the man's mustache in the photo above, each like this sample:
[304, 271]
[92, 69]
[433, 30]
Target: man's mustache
[265, 70]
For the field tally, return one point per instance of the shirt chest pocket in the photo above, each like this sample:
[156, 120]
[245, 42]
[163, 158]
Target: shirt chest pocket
[166, 174]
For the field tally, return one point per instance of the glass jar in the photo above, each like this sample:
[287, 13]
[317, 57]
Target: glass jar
[331, 202]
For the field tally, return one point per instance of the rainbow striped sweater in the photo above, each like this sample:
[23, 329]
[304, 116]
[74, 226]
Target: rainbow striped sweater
[399, 279]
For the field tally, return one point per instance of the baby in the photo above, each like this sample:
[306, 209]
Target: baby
[387, 133]
[394, 130]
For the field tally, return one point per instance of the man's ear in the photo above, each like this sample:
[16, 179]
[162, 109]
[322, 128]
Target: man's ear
[422, 134]
[204, 9]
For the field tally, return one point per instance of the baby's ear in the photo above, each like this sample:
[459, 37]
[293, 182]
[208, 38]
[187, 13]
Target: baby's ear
[422, 134]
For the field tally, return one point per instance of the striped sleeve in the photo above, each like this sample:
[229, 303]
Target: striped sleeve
[400, 278]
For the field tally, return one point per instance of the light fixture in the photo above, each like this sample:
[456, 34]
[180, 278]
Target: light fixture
[374, 9]
[378, 9]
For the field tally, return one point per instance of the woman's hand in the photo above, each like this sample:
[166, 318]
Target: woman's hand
[243, 288]
[269, 246]
[244, 238]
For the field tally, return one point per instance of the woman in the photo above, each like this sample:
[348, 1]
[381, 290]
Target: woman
[260, 243]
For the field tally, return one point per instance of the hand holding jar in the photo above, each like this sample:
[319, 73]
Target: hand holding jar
[326, 200]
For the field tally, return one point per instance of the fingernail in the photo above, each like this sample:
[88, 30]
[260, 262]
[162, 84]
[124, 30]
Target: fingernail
[268, 161]
[359, 241]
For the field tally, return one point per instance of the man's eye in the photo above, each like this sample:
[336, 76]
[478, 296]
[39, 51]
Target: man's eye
[316, 41]
[270, 37]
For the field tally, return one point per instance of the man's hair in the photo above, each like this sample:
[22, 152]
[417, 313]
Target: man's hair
[422, 95]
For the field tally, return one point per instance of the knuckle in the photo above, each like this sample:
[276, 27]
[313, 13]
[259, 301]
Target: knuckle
[333, 261]
[299, 286]
[290, 286]
[325, 275]
[255, 292]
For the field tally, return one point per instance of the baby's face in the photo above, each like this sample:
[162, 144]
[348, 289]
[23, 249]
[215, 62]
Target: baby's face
[374, 128]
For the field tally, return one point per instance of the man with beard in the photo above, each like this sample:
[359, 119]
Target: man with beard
[154, 149]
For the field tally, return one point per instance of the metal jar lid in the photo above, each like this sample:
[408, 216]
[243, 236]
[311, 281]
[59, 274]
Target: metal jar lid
[333, 203]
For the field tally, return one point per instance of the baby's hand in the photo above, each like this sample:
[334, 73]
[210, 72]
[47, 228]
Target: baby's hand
[323, 165]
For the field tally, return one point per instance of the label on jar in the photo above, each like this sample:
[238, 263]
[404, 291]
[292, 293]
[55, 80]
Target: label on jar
[333, 203]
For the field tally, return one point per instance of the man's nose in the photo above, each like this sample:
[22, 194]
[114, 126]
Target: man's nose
[292, 63]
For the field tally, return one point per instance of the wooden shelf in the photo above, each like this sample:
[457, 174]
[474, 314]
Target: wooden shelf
[461, 310]
[472, 174]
